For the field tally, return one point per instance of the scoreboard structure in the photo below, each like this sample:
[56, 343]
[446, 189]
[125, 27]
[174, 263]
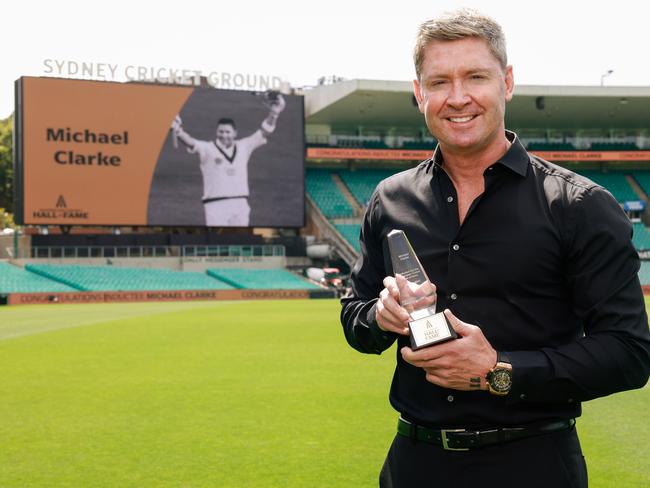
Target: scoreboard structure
[103, 153]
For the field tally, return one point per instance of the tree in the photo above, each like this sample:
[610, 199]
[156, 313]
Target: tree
[6, 163]
[6, 219]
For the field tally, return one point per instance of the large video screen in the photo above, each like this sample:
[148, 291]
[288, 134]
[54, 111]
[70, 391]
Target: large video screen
[103, 153]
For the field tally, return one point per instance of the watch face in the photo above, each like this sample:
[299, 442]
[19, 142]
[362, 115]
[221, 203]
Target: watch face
[501, 380]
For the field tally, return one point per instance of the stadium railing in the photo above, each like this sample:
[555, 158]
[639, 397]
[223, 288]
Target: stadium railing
[419, 143]
[614, 146]
[208, 251]
[49, 252]
[550, 146]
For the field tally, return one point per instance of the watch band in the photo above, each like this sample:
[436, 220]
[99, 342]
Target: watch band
[502, 357]
[499, 379]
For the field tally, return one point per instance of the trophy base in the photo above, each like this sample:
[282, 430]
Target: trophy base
[430, 330]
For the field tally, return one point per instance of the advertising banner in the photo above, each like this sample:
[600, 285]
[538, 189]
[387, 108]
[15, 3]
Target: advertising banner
[420, 155]
[160, 296]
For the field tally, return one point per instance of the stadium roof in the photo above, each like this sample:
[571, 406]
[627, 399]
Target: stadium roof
[380, 105]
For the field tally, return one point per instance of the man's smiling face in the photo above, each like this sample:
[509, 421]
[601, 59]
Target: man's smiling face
[462, 92]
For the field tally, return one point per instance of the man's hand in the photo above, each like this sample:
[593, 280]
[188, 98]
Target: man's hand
[414, 296]
[176, 130]
[460, 364]
[277, 105]
[176, 124]
[391, 316]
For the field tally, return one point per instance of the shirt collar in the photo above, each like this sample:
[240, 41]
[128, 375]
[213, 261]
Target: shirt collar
[515, 159]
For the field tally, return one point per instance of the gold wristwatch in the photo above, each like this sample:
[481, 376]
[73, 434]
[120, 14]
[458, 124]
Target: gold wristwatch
[499, 379]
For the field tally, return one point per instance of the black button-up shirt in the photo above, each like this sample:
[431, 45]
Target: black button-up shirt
[543, 263]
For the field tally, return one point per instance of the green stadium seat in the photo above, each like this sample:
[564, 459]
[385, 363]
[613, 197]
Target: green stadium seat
[641, 236]
[326, 195]
[362, 182]
[374, 145]
[108, 278]
[14, 279]
[643, 179]
[614, 181]
[351, 234]
[262, 279]
[419, 145]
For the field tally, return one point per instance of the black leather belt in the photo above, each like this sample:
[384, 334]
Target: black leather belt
[466, 439]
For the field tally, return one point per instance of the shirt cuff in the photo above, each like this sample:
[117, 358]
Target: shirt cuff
[530, 370]
[383, 338]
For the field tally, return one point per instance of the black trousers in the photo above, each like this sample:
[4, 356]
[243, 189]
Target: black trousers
[547, 461]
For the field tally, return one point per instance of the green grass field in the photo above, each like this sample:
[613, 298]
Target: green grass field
[223, 394]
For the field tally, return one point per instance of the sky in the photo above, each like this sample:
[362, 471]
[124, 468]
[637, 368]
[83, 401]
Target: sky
[551, 42]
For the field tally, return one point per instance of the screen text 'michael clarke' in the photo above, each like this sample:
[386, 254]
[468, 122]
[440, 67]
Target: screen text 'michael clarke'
[86, 136]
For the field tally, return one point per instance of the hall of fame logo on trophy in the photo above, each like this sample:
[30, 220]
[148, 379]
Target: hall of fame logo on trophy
[417, 295]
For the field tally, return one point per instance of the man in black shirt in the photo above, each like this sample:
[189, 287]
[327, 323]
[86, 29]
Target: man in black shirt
[533, 266]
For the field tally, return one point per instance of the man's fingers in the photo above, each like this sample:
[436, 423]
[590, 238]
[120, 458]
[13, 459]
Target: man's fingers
[401, 283]
[459, 326]
[432, 377]
[390, 325]
[407, 354]
[391, 285]
[389, 320]
[389, 310]
[393, 327]
[389, 302]
[422, 357]
[390, 314]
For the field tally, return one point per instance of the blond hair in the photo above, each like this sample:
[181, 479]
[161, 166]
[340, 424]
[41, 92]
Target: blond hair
[456, 25]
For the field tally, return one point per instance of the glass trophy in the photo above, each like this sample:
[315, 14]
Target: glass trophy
[417, 295]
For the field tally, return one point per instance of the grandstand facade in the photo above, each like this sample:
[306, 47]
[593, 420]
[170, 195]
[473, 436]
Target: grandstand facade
[358, 132]
[361, 131]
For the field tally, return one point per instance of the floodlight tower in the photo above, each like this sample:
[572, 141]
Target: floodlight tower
[605, 75]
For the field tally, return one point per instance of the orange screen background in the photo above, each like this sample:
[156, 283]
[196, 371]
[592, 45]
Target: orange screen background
[110, 195]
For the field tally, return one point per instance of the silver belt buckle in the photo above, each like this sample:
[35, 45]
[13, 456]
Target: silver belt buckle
[445, 441]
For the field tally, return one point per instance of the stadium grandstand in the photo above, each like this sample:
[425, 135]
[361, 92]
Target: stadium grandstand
[358, 132]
